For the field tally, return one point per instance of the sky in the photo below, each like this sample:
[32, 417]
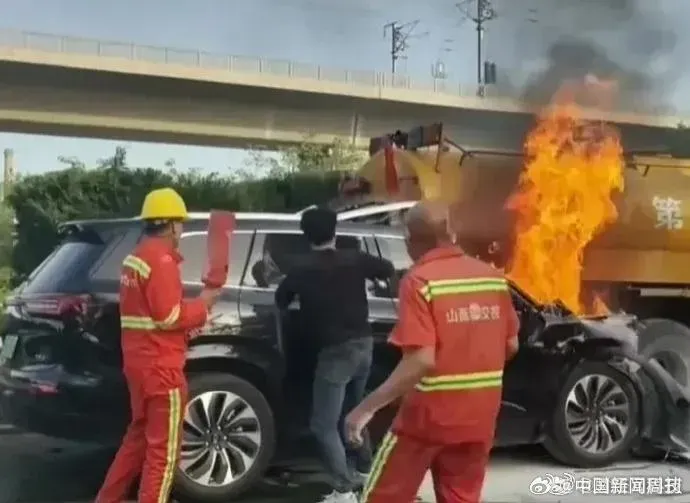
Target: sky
[640, 35]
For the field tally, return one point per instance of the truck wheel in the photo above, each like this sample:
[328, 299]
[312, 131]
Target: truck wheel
[667, 342]
[596, 418]
[227, 441]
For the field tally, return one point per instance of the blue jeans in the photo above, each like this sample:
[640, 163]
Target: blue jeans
[339, 385]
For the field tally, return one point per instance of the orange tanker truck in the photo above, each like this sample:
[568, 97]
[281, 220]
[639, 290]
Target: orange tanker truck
[572, 218]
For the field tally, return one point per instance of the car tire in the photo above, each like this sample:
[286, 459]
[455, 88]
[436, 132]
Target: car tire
[225, 385]
[559, 441]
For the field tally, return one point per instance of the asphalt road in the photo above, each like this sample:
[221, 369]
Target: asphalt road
[35, 469]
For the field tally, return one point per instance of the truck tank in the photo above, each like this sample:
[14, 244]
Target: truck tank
[648, 244]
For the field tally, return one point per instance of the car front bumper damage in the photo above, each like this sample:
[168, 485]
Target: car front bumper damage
[665, 404]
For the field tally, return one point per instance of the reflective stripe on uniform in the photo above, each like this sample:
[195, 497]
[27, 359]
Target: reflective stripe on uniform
[476, 380]
[137, 323]
[148, 323]
[379, 463]
[137, 265]
[171, 319]
[174, 419]
[438, 288]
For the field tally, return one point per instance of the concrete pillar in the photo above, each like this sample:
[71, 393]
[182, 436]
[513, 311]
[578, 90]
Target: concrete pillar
[8, 171]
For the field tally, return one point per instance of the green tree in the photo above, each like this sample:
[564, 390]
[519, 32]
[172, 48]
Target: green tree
[6, 240]
[677, 139]
[117, 161]
[72, 162]
[305, 157]
[114, 189]
[6, 235]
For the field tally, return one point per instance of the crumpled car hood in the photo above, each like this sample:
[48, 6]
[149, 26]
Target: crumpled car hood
[622, 327]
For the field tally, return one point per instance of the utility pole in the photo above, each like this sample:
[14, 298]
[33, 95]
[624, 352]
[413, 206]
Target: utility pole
[400, 35]
[484, 13]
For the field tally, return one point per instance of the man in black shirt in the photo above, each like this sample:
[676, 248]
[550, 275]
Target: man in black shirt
[331, 287]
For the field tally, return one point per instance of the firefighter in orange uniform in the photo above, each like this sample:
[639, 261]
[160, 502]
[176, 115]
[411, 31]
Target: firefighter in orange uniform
[156, 322]
[456, 329]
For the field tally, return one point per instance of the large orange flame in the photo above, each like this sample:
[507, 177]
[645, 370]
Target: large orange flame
[572, 169]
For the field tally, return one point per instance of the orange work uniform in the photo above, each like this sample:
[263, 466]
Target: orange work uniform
[155, 323]
[462, 308]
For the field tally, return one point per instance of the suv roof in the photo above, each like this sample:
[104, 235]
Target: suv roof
[375, 209]
[194, 215]
[286, 221]
[373, 206]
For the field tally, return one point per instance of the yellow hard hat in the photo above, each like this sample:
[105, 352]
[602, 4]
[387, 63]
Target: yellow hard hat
[164, 204]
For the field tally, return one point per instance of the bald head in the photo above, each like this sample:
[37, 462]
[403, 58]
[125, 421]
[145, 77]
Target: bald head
[427, 227]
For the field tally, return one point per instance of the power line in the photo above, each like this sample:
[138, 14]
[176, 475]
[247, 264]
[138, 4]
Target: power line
[483, 13]
[400, 35]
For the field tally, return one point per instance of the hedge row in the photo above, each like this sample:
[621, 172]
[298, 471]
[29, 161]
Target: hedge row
[42, 202]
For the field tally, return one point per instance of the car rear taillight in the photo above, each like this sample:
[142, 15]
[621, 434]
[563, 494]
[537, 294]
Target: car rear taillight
[53, 305]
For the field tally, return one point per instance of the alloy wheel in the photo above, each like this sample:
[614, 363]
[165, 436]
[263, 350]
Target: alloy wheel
[597, 413]
[221, 438]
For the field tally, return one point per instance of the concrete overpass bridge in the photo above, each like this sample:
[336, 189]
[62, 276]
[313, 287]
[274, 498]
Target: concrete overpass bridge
[59, 85]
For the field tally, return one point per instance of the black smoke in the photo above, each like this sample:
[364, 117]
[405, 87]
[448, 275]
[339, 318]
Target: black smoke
[615, 40]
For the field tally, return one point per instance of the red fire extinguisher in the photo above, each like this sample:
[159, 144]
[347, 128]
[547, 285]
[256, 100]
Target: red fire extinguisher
[220, 227]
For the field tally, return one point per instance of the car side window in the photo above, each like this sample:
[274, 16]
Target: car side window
[193, 250]
[110, 264]
[281, 251]
[393, 249]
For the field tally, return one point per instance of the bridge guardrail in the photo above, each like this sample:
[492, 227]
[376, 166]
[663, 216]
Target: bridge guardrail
[232, 63]
[248, 64]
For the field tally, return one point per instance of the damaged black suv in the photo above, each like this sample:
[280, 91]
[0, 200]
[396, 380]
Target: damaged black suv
[250, 377]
